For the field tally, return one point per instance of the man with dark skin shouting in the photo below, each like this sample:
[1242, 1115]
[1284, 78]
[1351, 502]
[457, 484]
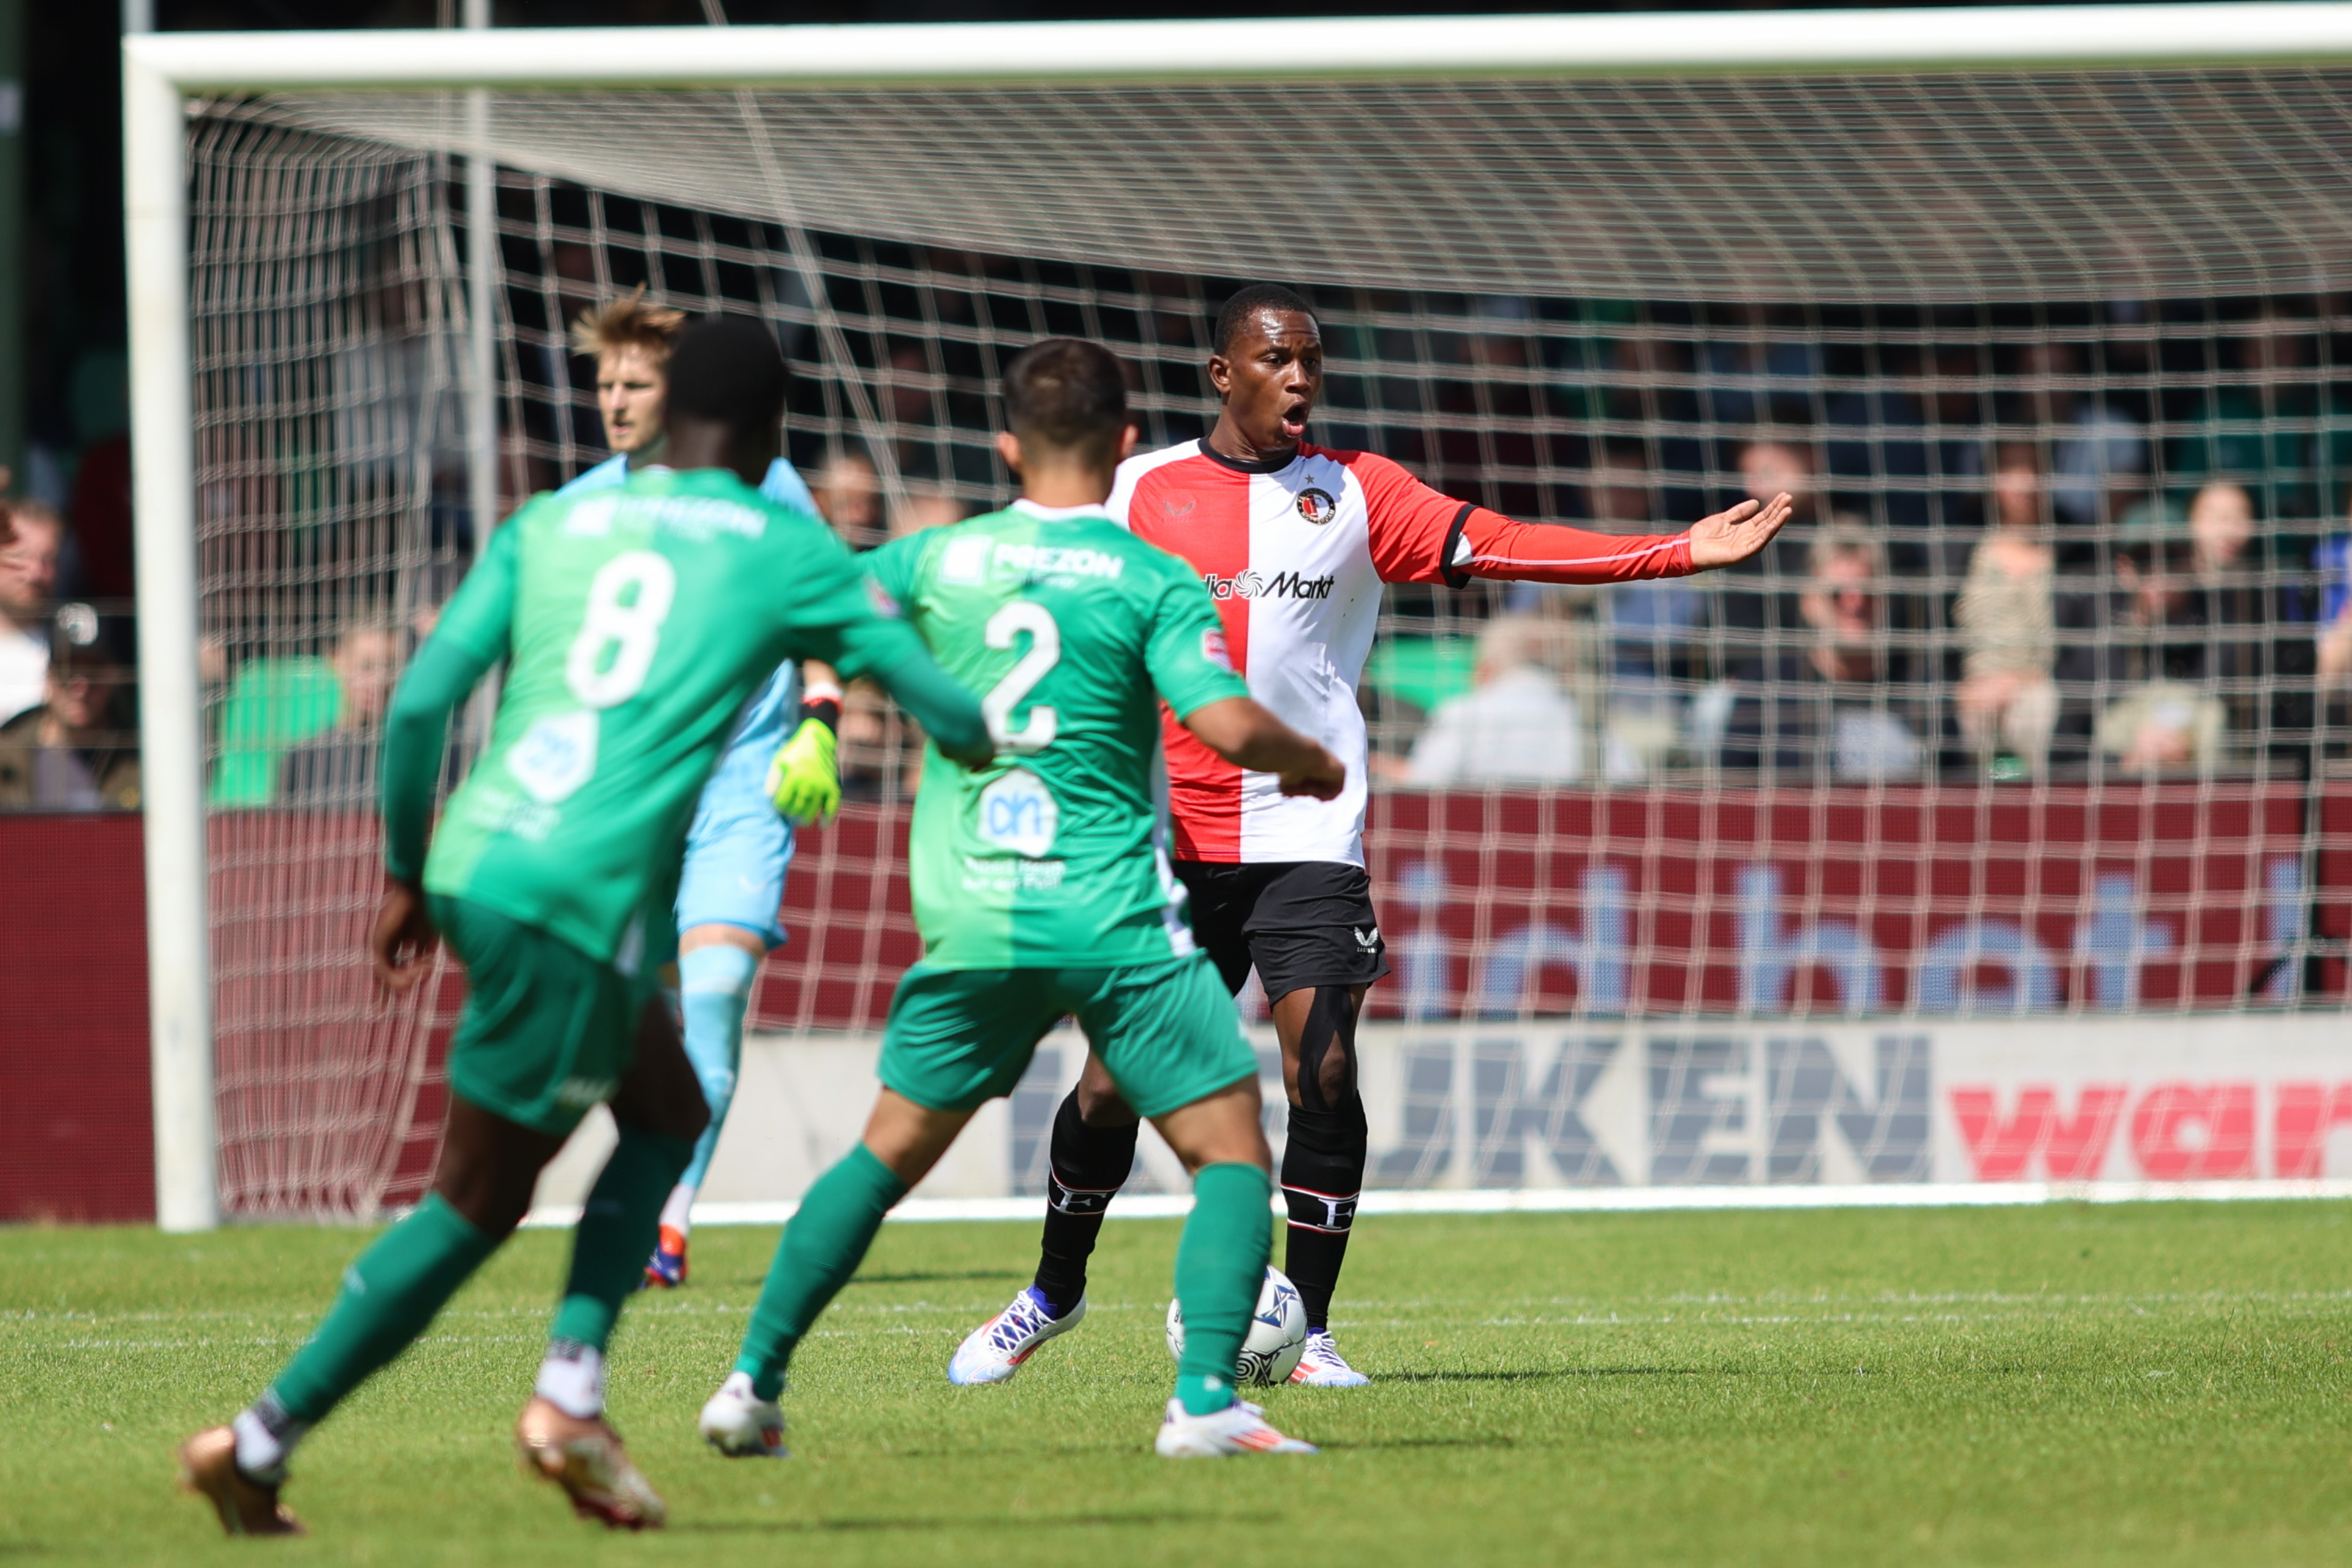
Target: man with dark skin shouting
[1293, 542]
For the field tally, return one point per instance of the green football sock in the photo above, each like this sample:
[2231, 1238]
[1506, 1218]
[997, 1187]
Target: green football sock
[1219, 1269]
[390, 1294]
[616, 1232]
[820, 1251]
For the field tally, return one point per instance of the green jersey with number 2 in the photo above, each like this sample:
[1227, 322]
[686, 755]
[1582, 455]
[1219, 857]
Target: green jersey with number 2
[1073, 630]
[634, 622]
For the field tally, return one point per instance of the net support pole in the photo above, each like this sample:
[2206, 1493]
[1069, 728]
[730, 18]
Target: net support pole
[482, 321]
[171, 706]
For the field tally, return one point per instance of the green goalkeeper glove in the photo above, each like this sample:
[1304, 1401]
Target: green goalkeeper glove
[804, 780]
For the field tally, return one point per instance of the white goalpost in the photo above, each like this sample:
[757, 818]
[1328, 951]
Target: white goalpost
[1611, 190]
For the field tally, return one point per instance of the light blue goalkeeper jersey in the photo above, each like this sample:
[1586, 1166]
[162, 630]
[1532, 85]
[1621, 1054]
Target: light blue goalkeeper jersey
[739, 786]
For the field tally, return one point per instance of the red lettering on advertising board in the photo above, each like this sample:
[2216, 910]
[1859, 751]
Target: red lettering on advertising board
[2305, 1114]
[2072, 1148]
[2186, 1132]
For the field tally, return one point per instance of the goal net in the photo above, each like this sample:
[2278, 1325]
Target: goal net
[2039, 708]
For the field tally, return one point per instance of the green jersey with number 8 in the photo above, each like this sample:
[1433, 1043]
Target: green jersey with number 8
[1073, 630]
[634, 622]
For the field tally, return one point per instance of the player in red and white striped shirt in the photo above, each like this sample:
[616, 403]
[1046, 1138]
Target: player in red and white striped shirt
[1295, 541]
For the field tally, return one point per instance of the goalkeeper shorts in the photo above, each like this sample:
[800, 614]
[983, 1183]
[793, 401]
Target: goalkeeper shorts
[1168, 1032]
[547, 1031]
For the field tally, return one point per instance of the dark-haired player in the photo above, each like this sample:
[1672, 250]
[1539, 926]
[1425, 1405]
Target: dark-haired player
[633, 622]
[1041, 887]
[1293, 542]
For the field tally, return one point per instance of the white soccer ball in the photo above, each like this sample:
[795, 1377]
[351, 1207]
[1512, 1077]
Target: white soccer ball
[1278, 1333]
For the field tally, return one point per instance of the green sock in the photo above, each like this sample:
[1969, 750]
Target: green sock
[616, 1232]
[820, 1251]
[1219, 1269]
[390, 1294]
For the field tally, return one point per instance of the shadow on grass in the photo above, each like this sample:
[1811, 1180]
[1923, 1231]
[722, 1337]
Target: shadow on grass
[1541, 1375]
[1370, 1445]
[940, 1276]
[1218, 1517]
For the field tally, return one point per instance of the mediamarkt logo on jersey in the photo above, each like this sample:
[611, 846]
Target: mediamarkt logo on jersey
[1281, 585]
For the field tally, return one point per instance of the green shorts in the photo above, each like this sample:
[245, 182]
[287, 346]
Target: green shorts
[1168, 1032]
[547, 1031]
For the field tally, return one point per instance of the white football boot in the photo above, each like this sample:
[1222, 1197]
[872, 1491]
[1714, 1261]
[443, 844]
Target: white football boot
[1320, 1365]
[1239, 1428]
[741, 1425]
[993, 1351]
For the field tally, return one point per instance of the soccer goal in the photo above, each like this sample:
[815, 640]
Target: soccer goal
[2082, 274]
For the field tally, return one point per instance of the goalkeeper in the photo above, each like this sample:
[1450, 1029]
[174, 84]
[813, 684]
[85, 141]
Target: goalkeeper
[634, 622]
[739, 847]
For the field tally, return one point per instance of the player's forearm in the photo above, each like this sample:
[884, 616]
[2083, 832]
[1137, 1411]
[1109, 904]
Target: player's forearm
[821, 694]
[889, 652]
[1247, 734]
[1493, 546]
[415, 738]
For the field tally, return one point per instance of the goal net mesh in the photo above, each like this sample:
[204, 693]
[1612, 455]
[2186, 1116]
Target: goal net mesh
[2038, 708]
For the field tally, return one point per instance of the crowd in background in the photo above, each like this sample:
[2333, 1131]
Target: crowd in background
[2014, 559]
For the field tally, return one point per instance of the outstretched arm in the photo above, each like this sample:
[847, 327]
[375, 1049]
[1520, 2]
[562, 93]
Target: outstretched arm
[1492, 545]
[1245, 734]
[1421, 536]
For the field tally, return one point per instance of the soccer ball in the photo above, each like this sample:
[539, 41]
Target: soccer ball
[1278, 1333]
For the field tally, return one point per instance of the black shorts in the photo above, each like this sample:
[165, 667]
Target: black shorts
[1300, 922]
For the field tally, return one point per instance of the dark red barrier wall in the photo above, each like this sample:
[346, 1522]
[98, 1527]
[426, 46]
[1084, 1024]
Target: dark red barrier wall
[75, 1133]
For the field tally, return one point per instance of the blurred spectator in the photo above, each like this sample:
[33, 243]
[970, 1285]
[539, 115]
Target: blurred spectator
[78, 749]
[2157, 652]
[2008, 703]
[2221, 526]
[850, 497]
[2100, 452]
[30, 536]
[1840, 708]
[926, 507]
[2262, 430]
[2334, 559]
[338, 765]
[1649, 621]
[1752, 605]
[1515, 725]
[2203, 601]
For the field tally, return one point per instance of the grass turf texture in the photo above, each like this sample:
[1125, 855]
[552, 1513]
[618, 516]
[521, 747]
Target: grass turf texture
[2146, 1385]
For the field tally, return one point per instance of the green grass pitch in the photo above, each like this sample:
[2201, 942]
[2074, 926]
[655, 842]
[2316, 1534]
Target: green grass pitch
[2162, 1384]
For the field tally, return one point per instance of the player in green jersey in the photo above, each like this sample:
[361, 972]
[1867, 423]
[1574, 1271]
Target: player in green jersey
[1041, 887]
[633, 622]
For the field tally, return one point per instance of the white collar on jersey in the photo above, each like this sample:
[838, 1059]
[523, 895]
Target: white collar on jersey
[1056, 513]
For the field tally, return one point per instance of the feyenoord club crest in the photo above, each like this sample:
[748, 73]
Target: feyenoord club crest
[1317, 506]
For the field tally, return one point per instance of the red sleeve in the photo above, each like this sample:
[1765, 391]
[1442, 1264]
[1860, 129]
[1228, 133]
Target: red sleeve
[1493, 546]
[1421, 536]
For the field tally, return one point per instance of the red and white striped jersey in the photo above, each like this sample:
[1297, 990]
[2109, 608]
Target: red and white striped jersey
[1295, 554]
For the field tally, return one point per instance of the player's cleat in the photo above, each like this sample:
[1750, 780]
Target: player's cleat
[741, 1425]
[993, 1351]
[1239, 1428]
[587, 1460]
[666, 1269]
[247, 1507]
[1320, 1365]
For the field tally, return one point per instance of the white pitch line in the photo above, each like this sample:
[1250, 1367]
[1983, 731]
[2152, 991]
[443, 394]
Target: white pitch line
[1578, 1200]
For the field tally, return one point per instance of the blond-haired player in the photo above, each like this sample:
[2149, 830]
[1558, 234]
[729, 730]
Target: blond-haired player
[740, 847]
